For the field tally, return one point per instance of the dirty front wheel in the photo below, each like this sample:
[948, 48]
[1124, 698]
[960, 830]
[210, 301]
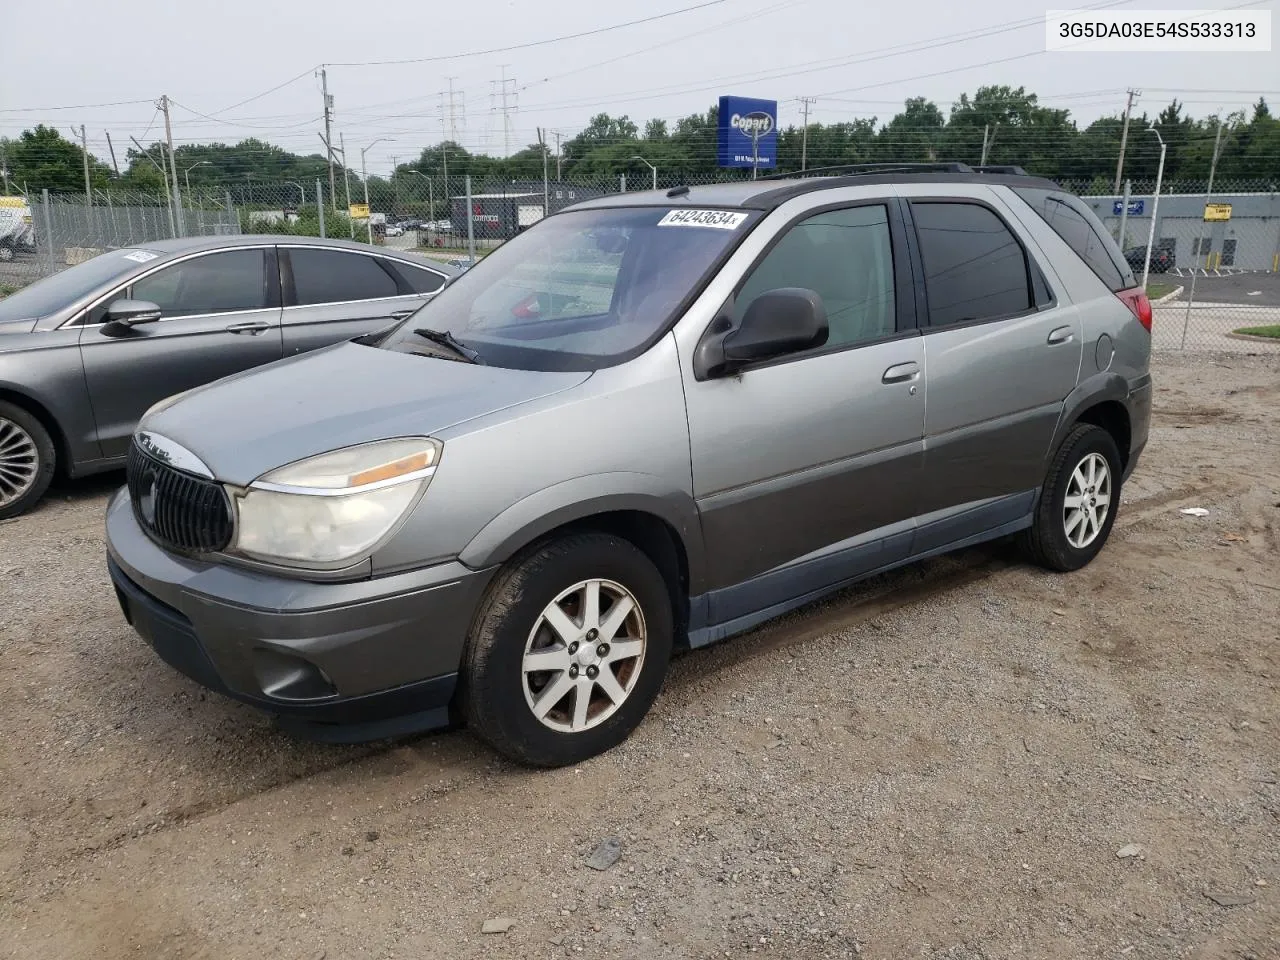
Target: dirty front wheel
[569, 652]
[1078, 502]
[26, 460]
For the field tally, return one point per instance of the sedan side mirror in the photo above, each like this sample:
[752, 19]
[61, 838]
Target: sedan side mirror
[123, 314]
[782, 321]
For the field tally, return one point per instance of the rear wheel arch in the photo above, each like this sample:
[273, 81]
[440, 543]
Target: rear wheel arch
[1112, 417]
[1099, 401]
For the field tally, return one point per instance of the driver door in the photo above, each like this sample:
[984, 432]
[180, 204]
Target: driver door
[805, 467]
[220, 314]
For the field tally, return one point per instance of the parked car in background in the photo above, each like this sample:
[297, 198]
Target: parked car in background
[84, 352]
[394, 230]
[653, 419]
[1161, 259]
[17, 232]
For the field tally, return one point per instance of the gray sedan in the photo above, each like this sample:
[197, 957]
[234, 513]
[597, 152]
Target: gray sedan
[85, 352]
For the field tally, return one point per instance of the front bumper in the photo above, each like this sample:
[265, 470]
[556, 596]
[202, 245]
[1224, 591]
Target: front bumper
[334, 661]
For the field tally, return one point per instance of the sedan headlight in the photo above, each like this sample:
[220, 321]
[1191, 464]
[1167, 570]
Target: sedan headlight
[333, 507]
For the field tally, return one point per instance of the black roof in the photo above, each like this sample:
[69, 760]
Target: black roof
[766, 193]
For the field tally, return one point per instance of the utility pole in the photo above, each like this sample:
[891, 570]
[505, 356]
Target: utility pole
[804, 135]
[1208, 193]
[328, 135]
[346, 174]
[84, 154]
[173, 168]
[556, 134]
[986, 132]
[1124, 136]
[111, 147]
[546, 190]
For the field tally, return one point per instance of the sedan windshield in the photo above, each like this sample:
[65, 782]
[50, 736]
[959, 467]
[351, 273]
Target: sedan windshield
[67, 286]
[580, 290]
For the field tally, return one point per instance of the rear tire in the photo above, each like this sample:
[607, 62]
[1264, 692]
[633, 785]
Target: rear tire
[27, 460]
[1078, 502]
[604, 659]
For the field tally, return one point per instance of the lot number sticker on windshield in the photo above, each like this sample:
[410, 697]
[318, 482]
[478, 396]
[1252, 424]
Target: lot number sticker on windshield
[140, 256]
[720, 219]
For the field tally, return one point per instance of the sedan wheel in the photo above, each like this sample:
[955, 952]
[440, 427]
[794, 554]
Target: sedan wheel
[19, 462]
[26, 460]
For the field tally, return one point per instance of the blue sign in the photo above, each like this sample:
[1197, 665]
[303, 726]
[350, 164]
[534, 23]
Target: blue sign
[747, 133]
[1135, 207]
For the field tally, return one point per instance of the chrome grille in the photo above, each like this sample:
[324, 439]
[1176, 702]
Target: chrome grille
[177, 509]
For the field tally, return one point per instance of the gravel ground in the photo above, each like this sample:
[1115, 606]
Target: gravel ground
[942, 763]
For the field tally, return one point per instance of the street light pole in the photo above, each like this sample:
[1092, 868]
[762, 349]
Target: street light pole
[364, 175]
[1155, 209]
[186, 174]
[651, 167]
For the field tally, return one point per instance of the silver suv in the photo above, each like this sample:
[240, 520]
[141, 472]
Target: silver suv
[652, 420]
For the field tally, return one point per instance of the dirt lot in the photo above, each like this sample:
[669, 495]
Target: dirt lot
[942, 763]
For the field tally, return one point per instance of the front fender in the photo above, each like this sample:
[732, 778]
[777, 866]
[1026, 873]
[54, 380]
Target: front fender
[582, 497]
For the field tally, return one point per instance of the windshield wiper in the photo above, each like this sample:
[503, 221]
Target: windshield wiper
[446, 339]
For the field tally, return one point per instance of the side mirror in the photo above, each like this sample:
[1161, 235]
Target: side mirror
[782, 321]
[123, 314]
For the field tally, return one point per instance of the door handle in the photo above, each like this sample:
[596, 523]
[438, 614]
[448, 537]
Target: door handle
[1061, 335]
[251, 327]
[901, 372]
[400, 314]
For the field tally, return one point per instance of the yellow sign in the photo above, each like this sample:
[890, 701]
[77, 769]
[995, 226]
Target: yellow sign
[13, 201]
[1217, 211]
[359, 211]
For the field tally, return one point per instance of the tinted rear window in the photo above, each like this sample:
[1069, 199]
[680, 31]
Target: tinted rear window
[335, 276]
[974, 268]
[1072, 220]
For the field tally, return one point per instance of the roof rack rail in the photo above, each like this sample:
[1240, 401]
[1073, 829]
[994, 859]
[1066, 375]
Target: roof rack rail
[1002, 168]
[857, 168]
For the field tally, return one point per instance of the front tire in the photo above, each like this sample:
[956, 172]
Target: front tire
[1078, 503]
[27, 460]
[569, 651]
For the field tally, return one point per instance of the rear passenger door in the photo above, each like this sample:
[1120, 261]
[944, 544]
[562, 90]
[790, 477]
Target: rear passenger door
[332, 295]
[1001, 355]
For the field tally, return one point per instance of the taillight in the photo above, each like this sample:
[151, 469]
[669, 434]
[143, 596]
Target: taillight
[1136, 300]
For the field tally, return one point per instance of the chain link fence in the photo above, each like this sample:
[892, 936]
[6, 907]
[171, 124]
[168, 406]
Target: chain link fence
[1212, 281]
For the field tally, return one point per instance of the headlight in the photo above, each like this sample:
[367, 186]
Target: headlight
[335, 506]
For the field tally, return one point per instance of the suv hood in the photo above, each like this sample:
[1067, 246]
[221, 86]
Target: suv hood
[248, 424]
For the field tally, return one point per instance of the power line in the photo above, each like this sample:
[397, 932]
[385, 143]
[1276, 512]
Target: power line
[533, 43]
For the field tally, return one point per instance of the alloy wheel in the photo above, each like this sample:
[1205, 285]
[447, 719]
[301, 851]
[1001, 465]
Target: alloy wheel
[1087, 501]
[584, 655]
[19, 462]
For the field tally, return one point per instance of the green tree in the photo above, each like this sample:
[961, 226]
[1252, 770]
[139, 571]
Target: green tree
[44, 160]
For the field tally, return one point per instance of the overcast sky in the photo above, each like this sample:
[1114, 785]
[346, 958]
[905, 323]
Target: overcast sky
[856, 59]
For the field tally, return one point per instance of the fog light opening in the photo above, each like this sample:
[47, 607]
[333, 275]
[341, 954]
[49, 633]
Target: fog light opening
[283, 676]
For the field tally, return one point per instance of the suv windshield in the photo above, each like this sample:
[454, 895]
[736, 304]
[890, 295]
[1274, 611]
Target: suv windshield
[581, 290]
[66, 287]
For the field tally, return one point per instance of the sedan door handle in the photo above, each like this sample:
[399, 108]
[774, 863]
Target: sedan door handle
[1061, 335]
[400, 314]
[251, 327]
[901, 372]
